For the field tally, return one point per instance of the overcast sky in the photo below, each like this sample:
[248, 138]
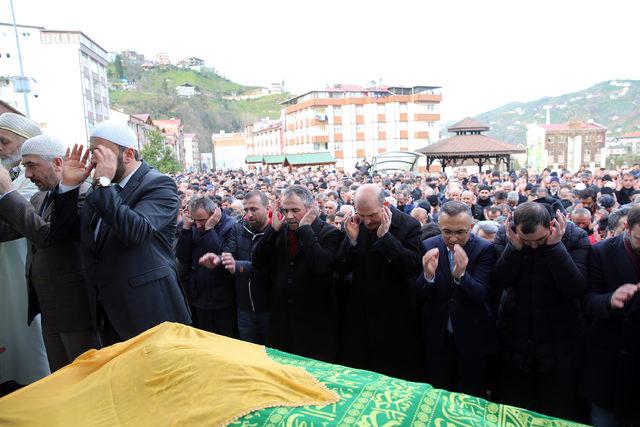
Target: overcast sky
[483, 53]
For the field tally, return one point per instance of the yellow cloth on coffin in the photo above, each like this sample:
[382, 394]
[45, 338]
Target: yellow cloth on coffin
[169, 375]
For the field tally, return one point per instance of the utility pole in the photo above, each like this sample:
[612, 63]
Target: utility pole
[24, 83]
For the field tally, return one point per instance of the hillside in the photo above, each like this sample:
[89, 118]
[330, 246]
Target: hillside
[614, 103]
[209, 111]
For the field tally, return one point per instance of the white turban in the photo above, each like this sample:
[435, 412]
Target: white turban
[117, 133]
[20, 125]
[43, 145]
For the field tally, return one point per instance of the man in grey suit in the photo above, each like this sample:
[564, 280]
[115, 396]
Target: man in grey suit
[55, 278]
[126, 227]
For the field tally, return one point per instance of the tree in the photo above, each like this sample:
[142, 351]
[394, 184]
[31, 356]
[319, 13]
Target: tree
[159, 155]
[119, 69]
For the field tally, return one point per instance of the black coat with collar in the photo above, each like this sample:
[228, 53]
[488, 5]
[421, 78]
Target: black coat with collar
[380, 330]
[612, 370]
[131, 266]
[467, 303]
[302, 298]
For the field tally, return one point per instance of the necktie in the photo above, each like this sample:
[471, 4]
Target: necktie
[451, 266]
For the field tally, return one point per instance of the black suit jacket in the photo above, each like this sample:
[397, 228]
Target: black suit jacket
[381, 324]
[131, 266]
[474, 329]
[302, 298]
[612, 371]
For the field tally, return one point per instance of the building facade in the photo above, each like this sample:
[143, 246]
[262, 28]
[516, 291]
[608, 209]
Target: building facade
[67, 75]
[628, 143]
[264, 138]
[229, 150]
[162, 59]
[173, 132]
[192, 152]
[186, 90]
[352, 122]
[567, 145]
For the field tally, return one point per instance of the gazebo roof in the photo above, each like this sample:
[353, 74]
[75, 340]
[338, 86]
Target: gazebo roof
[468, 124]
[469, 146]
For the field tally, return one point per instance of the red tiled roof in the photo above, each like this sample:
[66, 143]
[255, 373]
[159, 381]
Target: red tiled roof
[142, 116]
[470, 145]
[468, 124]
[631, 135]
[572, 126]
[171, 122]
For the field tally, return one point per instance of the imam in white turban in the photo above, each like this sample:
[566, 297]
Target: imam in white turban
[117, 133]
[20, 125]
[43, 145]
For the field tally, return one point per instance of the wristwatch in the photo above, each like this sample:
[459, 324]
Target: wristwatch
[103, 181]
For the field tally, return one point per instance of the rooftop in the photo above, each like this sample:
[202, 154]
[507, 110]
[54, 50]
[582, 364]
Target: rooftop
[468, 124]
[631, 135]
[470, 145]
[570, 126]
[379, 90]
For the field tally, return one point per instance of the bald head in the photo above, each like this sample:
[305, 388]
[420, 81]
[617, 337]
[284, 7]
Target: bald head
[370, 195]
[369, 203]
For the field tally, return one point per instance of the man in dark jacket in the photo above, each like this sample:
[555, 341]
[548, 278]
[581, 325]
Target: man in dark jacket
[210, 292]
[126, 232]
[381, 325]
[542, 270]
[458, 330]
[611, 371]
[298, 257]
[251, 284]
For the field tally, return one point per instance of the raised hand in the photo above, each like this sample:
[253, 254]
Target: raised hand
[214, 219]
[351, 226]
[210, 260]
[276, 220]
[430, 262]
[311, 215]
[386, 222]
[460, 260]
[106, 162]
[558, 227]
[229, 262]
[623, 294]
[187, 222]
[76, 167]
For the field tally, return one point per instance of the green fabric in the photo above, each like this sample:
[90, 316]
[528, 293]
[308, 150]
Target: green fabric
[274, 160]
[310, 159]
[370, 399]
[253, 159]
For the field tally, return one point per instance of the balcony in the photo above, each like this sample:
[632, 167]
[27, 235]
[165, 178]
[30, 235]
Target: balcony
[320, 139]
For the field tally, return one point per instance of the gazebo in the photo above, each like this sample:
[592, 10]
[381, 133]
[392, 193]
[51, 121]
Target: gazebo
[469, 143]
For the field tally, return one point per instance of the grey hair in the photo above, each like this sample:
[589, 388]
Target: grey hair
[513, 195]
[616, 216]
[202, 203]
[453, 208]
[487, 227]
[302, 192]
[581, 211]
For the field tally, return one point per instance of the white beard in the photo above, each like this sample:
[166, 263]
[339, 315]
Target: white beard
[11, 162]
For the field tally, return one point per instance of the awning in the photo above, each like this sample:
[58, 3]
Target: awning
[322, 158]
[395, 161]
[274, 160]
[253, 159]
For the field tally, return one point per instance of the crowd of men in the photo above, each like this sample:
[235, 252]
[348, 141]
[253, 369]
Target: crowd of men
[521, 287]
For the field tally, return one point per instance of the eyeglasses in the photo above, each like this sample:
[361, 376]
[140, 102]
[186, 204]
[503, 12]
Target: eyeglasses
[457, 233]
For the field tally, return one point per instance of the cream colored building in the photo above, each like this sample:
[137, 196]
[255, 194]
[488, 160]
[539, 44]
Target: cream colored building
[352, 122]
[229, 150]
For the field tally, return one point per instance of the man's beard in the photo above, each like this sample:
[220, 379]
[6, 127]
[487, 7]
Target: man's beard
[120, 169]
[12, 161]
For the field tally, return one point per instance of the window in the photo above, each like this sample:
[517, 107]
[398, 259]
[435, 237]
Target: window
[403, 125]
[337, 111]
[359, 110]
[359, 128]
[337, 129]
[382, 127]
[8, 55]
[403, 107]
[430, 107]
[430, 125]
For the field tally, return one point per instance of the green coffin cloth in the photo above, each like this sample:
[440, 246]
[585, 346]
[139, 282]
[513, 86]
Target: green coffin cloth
[274, 160]
[310, 159]
[253, 159]
[370, 399]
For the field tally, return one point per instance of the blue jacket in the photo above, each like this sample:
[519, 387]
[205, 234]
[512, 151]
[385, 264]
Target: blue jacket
[467, 303]
[206, 289]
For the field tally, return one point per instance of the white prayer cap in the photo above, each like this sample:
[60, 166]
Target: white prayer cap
[43, 145]
[20, 125]
[580, 186]
[117, 133]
